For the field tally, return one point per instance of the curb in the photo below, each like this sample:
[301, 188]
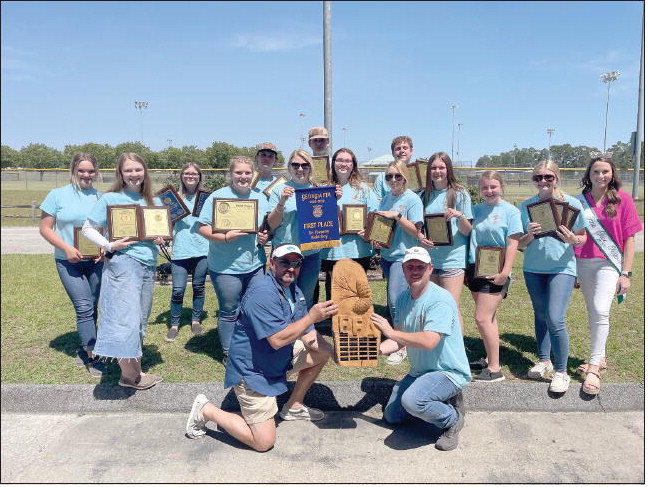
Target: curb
[328, 396]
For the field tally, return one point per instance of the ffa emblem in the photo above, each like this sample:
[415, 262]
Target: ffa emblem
[223, 207]
[317, 211]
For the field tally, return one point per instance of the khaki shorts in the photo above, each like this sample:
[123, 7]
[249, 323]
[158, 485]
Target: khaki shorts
[256, 407]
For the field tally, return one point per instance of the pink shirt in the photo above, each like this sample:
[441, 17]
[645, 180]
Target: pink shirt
[625, 224]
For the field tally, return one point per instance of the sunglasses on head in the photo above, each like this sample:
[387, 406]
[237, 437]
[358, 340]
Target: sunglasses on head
[290, 264]
[547, 177]
[297, 165]
[397, 177]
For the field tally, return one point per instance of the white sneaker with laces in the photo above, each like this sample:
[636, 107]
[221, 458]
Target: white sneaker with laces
[397, 357]
[559, 382]
[539, 371]
[196, 423]
[304, 413]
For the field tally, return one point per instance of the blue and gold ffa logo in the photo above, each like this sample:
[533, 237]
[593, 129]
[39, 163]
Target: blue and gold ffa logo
[317, 211]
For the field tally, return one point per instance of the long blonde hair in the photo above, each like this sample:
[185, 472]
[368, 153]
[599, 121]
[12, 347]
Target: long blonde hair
[305, 156]
[118, 186]
[78, 159]
[553, 167]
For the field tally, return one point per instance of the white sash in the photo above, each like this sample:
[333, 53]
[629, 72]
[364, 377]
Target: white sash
[601, 237]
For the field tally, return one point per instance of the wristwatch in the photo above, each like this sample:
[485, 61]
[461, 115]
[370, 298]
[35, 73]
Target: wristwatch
[626, 273]
[399, 216]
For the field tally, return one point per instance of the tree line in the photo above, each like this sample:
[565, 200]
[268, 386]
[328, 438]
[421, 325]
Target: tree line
[217, 155]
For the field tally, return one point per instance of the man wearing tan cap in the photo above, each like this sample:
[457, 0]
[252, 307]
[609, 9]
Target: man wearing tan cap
[318, 141]
[265, 159]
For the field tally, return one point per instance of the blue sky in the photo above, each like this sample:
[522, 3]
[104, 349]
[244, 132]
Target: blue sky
[243, 72]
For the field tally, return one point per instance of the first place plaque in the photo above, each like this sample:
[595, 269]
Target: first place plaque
[488, 261]
[201, 197]
[380, 229]
[87, 248]
[544, 212]
[235, 214]
[268, 190]
[156, 222]
[354, 218]
[123, 222]
[438, 229]
[569, 215]
[171, 199]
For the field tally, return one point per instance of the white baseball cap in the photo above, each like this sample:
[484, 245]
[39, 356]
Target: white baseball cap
[418, 253]
[285, 249]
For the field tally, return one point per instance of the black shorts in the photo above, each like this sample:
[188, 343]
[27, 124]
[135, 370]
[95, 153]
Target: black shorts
[481, 285]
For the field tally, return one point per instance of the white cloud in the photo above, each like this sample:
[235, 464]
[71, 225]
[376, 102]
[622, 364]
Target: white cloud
[281, 42]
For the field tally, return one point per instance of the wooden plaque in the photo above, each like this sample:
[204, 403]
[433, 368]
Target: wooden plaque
[380, 229]
[321, 168]
[424, 173]
[123, 221]
[568, 214]
[87, 248]
[544, 212]
[235, 214]
[438, 229]
[156, 222]
[255, 178]
[488, 261]
[413, 176]
[354, 218]
[199, 202]
[268, 190]
[171, 199]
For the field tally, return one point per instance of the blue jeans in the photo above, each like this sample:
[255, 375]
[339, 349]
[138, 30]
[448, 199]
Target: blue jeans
[230, 288]
[550, 295]
[180, 270]
[82, 282]
[396, 283]
[425, 397]
[309, 276]
[124, 307]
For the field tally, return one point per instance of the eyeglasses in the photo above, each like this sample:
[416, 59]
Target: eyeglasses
[344, 161]
[547, 177]
[296, 165]
[397, 177]
[290, 264]
[191, 174]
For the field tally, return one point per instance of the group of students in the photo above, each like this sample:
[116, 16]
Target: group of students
[115, 291]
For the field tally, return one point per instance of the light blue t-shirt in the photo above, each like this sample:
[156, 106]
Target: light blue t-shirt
[435, 310]
[187, 242]
[450, 256]
[352, 246]
[549, 255]
[144, 252]
[380, 187]
[410, 206]
[70, 207]
[493, 225]
[262, 184]
[288, 230]
[242, 255]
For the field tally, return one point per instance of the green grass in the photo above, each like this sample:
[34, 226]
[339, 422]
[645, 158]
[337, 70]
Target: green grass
[39, 335]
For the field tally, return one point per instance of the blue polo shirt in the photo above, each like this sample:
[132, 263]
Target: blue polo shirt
[265, 310]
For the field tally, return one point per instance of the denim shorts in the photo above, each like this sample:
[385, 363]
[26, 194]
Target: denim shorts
[447, 272]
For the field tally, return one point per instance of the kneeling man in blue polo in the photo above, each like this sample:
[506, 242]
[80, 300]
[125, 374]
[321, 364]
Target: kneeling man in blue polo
[427, 323]
[274, 337]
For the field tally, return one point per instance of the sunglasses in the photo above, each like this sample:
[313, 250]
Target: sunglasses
[290, 264]
[547, 177]
[397, 177]
[296, 165]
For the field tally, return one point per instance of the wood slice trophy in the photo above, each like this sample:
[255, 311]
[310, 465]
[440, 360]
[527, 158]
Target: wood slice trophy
[355, 337]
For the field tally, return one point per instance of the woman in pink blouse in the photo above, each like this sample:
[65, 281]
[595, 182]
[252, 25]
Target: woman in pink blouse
[604, 262]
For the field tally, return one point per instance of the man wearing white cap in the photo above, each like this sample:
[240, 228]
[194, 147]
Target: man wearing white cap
[427, 323]
[274, 337]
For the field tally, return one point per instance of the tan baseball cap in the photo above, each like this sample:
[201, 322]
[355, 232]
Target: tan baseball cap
[267, 146]
[318, 133]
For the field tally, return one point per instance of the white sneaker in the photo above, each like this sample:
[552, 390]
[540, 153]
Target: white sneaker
[196, 423]
[560, 382]
[539, 371]
[397, 357]
[304, 412]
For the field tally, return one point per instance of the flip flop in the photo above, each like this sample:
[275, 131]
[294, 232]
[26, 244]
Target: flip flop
[592, 387]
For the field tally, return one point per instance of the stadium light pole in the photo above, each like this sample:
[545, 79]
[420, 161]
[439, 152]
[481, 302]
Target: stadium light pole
[302, 137]
[369, 149]
[453, 107]
[608, 78]
[344, 131]
[140, 105]
[514, 153]
[458, 137]
[550, 132]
